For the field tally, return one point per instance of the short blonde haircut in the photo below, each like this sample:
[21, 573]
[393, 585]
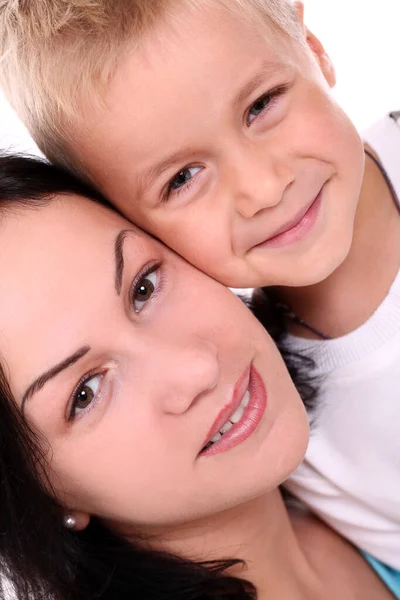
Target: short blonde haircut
[56, 52]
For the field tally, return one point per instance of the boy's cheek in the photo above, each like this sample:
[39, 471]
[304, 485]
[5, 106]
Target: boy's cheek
[200, 239]
[316, 126]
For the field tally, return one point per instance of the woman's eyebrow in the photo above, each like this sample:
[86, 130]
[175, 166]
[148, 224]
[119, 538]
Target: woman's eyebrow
[71, 360]
[119, 258]
[53, 372]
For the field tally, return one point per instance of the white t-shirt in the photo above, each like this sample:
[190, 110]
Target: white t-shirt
[351, 475]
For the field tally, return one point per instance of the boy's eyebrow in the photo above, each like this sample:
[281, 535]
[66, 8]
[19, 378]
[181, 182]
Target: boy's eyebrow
[183, 154]
[267, 70]
[53, 372]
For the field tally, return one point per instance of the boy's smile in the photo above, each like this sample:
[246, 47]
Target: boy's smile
[296, 228]
[221, 138]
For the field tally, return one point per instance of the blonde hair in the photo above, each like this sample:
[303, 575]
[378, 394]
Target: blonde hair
[56, 52]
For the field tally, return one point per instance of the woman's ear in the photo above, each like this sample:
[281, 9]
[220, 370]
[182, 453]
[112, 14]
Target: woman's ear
[322, 57]
[76, 520]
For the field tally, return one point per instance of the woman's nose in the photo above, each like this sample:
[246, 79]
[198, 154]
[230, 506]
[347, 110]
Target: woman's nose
[183, 374]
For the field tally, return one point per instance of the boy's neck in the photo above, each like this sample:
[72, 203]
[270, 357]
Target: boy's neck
[348, 297]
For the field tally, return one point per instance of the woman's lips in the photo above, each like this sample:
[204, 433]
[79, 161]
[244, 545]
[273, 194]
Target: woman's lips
[296, 229]
[248, 423]
[240, 388]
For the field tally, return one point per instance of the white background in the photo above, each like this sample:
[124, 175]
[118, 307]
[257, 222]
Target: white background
[363, 40]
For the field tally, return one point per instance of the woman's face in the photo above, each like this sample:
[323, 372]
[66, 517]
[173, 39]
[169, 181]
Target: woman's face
[128, 359]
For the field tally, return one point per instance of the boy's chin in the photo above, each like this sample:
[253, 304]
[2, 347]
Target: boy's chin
[314, 270]
[304, 271]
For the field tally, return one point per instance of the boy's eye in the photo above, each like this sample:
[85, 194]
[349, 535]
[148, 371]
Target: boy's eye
[258, 107]
[85, 394]
[182, 178]
[143, 290]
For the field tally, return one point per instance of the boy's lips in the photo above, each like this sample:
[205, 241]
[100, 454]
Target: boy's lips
[295, 229]
[249, 398]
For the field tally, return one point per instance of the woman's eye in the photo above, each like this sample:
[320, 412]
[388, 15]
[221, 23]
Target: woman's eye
[258, 107]
[182, 178]
[85, 394]
[144, 290]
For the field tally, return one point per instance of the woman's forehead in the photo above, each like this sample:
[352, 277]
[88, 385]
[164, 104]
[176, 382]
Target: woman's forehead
[67, 221]
[52, 253]
[56, 264]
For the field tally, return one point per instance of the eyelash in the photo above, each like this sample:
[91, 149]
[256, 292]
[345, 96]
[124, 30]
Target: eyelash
[71, 412]
[185, 188]
[145, 272]
[273, 94]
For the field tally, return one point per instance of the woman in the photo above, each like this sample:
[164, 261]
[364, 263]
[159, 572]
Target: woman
[147, 420]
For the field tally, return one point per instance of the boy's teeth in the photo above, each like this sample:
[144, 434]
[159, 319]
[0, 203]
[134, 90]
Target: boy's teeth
[226, 427]
[237, 415]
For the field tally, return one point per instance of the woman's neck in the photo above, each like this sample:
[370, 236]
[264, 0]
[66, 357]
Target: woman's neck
[260, 533]
[287, 557]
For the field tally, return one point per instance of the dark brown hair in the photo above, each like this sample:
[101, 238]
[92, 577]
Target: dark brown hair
[38, 555]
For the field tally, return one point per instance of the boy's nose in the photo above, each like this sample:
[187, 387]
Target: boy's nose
[260, 185]
[183, 374]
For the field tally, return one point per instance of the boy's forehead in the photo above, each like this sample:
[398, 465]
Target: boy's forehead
[202, 58]
[200, 37]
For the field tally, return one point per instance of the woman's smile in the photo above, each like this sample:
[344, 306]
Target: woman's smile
[240, 418]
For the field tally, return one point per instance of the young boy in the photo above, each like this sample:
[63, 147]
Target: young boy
[210, 124]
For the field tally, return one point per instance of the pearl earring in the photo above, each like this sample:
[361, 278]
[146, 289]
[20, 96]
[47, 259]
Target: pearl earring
[69, 522]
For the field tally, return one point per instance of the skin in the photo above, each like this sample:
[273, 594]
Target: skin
[249, 171]
[346, 299]
[251, 166]
[130, 455]
[166, 375]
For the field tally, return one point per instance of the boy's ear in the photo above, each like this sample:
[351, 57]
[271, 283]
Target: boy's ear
[316, 48]
[299, 6]
[322, 57]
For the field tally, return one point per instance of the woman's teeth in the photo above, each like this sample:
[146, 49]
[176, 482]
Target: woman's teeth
[235, 418]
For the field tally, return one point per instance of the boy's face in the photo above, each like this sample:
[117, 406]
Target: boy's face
[222, 140]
